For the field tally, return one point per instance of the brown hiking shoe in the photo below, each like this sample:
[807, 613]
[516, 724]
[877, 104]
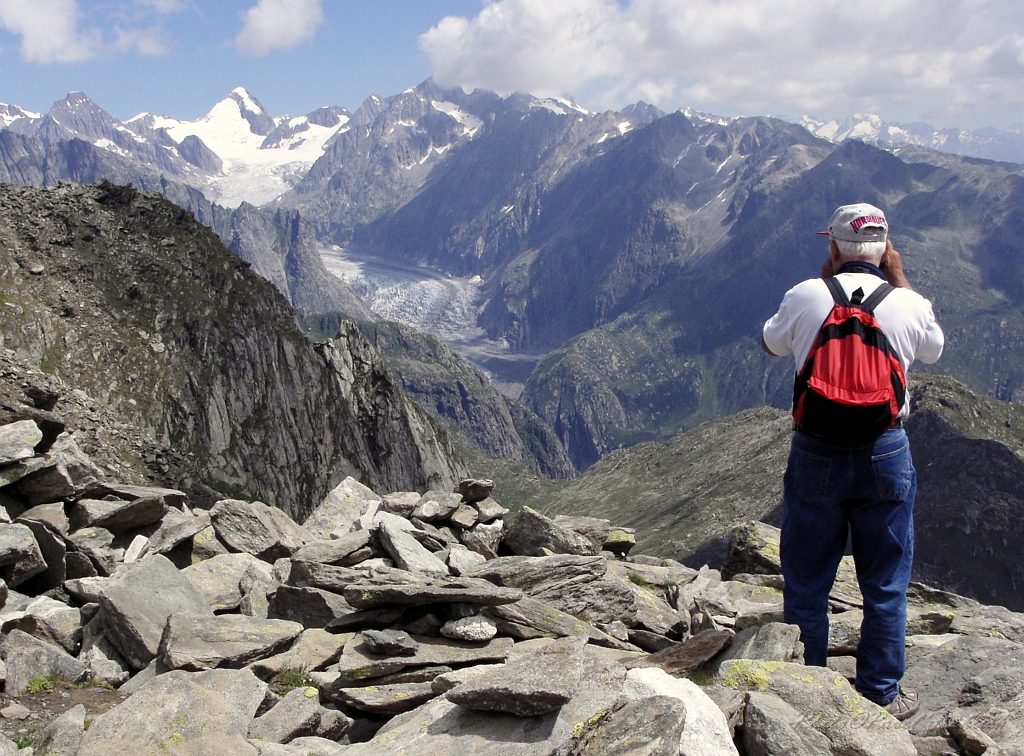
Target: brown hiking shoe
[905, 705]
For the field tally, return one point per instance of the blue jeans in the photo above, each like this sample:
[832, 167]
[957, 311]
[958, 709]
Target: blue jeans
[832, 488]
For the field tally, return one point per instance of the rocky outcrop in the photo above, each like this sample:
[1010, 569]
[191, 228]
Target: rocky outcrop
[572, 653]
[120, 295]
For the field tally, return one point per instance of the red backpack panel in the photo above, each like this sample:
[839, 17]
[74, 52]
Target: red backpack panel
[852, 385]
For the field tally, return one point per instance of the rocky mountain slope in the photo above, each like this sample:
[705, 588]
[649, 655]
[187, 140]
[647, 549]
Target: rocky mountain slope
[121, 295]
[435, 624]
[689, 350]
[458, 395]
[685, 496]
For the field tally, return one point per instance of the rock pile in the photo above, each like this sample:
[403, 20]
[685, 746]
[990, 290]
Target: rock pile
[439, 623]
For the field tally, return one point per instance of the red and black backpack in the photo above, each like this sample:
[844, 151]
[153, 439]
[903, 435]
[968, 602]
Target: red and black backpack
[852, 385]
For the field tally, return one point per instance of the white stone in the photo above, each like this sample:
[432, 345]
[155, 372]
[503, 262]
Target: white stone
[470, 629]
[706, 732]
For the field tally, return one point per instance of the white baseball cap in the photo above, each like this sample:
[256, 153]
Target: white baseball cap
[859, 223]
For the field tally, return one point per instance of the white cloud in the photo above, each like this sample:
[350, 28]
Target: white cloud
[148, 41]
[273, 24]
[924, 59]
[49, 30]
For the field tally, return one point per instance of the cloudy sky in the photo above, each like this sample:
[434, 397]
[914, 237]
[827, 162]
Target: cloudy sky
[948, 62]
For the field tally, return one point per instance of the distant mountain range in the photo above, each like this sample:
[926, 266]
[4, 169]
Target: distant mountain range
[633, 254]
[1005, 144]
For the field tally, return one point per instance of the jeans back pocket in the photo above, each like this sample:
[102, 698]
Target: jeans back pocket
[894, 473]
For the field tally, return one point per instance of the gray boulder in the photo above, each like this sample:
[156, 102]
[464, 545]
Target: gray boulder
[389, 643]
[386, 699]
[771, 727]
[343, 551]
[219, 579]
[18, 441]
[533, 534]
[489, 510]
[20, 557]
[294, 716]
[402, 503]
[137, 603]
[434, 506]
[408, 553]
[474, 490]
[484, 538]
[650, 727]
[340, 510]
[706, 732]
[311, 607]
[63, 736]
[196, 642]
[205, 714]
[172, 535]
[105, 664]
[852, 724]
[27, 658]
[476, 629]
[255, 528]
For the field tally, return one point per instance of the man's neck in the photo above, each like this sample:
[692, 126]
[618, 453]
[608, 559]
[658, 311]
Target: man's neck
[861, 266]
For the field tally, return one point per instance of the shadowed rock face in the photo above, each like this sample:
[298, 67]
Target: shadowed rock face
[125, 297]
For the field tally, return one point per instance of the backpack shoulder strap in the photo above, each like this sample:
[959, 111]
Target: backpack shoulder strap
[883, 290]
[838, 295]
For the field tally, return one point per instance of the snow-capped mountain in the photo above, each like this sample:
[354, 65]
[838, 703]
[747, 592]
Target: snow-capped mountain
[11, 113]
[990, 143]
[245, 154]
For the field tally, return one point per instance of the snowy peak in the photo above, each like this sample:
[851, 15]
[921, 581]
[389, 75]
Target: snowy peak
[11, 113]
[995, 144]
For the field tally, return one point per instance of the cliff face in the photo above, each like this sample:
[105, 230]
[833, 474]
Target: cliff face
[123, 296]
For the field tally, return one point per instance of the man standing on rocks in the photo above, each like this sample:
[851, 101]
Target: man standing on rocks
[845, 476]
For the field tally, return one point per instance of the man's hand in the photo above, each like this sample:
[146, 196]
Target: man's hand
[892, 267]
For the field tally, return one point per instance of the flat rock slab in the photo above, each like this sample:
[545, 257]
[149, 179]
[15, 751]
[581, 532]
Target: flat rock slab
[529, 618]
[390, 643]
[386, 699]
[205, 714]
[442, 728]
[196, 643]
[357, 663]
[138, 602]
[253, 527]
[683, 658]
[533, 685]
[311, 607]
[172, 535]
[463, 590]
[220, 579]
[27, 657]
[327, 577]
[172, 496]
[436, 505]
[118, 516]
[335, 550]
[313, 650]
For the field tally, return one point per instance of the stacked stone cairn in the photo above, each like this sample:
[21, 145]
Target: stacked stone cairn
[441, 623]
